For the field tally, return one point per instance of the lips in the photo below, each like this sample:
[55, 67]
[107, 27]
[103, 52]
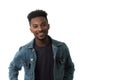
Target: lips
[41, 33]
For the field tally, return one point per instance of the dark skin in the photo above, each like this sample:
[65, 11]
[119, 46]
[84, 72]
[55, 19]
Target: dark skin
[39, 27]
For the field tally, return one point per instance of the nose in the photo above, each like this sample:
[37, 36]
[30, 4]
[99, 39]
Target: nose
[39, 28]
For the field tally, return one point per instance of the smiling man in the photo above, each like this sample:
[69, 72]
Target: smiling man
[43, 58]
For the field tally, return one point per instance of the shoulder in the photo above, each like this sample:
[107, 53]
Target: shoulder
[58, 43]
[26, 46]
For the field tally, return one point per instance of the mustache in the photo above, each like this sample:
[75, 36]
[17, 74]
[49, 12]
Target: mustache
[42, 31]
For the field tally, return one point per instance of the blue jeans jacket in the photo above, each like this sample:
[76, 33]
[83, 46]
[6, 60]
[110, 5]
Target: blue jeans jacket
[26, 57]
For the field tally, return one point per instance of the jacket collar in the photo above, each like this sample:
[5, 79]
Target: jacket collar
[55, 43]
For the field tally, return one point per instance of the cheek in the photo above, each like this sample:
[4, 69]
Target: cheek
[32, 30]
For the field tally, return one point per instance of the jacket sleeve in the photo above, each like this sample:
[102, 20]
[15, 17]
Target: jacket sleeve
[69, 66]
[15, 66]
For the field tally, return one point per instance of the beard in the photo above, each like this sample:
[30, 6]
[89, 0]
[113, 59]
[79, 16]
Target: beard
[41, 36]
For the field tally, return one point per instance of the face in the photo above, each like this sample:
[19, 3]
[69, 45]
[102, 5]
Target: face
[39, 27]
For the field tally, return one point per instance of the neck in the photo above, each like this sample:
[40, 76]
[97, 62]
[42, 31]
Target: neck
[42, 42]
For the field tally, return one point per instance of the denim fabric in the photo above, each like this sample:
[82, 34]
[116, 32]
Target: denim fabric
[26, 58]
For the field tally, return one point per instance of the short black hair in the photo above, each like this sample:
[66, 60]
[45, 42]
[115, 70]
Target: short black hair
[36, 13]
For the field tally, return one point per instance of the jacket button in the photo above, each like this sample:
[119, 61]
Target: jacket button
[31, 59]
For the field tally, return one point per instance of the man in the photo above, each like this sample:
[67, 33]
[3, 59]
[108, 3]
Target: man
[43, 58]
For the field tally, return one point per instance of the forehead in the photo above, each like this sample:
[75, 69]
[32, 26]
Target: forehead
[38, 19]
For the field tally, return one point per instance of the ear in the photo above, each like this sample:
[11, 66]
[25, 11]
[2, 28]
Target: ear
[31, 29]
[48, 26]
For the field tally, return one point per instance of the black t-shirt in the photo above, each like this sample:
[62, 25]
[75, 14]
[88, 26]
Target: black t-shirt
[44, 63]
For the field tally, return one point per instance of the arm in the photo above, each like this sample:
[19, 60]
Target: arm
[69, 66]
[14, 67]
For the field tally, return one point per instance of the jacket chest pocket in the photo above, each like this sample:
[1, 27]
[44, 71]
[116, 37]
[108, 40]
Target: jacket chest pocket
[26, 64]
[60, 61]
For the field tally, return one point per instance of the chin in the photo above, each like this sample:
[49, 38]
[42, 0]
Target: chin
[41, 38]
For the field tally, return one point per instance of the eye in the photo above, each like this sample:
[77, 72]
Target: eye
[44, 24]
[34, 26]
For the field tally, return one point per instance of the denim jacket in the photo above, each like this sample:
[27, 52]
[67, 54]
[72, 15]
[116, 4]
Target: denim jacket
[26, 57]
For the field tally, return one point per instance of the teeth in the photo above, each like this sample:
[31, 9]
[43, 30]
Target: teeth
[41, 33]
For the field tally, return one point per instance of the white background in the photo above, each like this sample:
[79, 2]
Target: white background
[90, 28]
